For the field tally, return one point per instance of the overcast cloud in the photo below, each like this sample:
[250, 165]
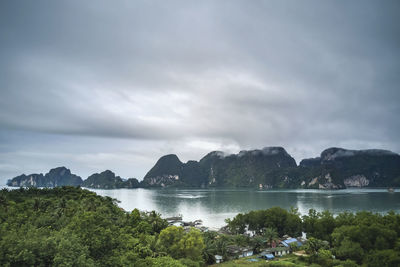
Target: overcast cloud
[95, 85]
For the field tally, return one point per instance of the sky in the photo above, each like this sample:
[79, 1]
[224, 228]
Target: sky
[96, 85]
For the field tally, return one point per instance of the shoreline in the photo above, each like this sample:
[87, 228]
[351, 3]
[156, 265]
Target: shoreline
[221, 188]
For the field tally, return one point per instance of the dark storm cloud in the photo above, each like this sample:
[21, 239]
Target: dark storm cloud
[186, 77]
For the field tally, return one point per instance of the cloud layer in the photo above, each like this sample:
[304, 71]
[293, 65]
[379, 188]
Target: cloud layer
[99, 84]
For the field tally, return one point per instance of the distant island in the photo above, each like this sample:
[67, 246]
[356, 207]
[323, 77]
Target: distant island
[62, 176]
[267, 168]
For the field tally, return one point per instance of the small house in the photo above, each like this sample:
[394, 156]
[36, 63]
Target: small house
[218, 258]
[267, 256]
[247, 252]
[239, 252]
[289, 241]
[277, 252]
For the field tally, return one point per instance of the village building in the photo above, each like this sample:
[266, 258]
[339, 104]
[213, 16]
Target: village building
[276, 252]
[267, 256]
[218, 258]
[289, 241]
[247, 252]
[236, 252]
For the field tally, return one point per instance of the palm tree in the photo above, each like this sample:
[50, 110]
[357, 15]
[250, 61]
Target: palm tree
[61, 207]
[270, 234]
[36, 204]
[4, 202]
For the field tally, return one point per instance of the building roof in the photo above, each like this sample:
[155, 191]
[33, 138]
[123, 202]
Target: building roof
[269, 250]
[287, 242]
[233, 249]
[269, 256]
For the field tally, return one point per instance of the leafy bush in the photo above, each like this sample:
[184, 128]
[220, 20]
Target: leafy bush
[68, 226]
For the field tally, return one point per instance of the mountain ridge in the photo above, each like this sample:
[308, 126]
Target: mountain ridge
[273, 167]
[269, 167]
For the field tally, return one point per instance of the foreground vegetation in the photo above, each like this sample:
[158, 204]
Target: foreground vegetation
[362, 238]
[69, 226]
[285, 261]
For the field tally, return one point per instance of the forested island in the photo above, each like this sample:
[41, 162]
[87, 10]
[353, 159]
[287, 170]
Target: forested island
[270, 167]
[70, 226]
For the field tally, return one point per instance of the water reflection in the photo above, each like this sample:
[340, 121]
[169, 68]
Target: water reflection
[213, 206]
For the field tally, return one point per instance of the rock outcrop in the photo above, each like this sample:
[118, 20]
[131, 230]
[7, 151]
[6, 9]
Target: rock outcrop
[245, 169]
[55, 177]
[108, 180]
[356, 181]
[273, 167]
[352, 168]
[270, 167]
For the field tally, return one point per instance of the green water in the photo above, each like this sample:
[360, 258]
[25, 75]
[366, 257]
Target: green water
[214, 206]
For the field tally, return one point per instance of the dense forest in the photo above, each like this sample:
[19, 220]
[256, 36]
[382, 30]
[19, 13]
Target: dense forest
[70, 226]
[363, 238]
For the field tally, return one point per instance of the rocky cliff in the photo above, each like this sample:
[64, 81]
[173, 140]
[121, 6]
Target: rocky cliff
[270, 167]
[55, 177]
[166, 172]
[108, 180]
[265, 168]
[254, 168]
[273, 167]
[62, 176]
[340, 168]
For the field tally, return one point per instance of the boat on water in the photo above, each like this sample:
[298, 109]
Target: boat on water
[175, 218]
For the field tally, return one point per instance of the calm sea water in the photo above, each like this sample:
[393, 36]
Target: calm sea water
[213, 206]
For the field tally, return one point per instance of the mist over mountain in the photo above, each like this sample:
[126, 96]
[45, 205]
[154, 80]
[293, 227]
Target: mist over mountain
[118, 84]
[337, 167]
[270, 167]
[273, 167]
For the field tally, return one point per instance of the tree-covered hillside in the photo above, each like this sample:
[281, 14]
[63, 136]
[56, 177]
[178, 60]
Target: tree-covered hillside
[264, 168]
[270, 167]
[364, 238]
[273, 167]
[340, 168]
[55, 177]
[108, 180]
[68, 226]
[62, 176]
